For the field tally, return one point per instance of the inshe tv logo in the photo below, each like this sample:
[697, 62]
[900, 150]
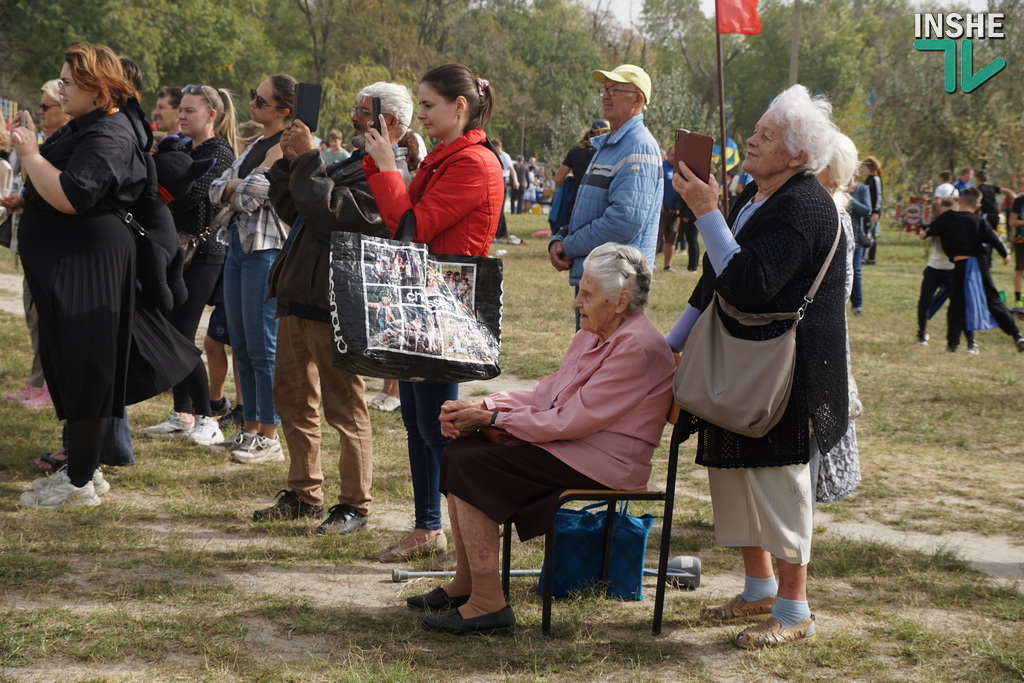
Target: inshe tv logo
[942, 31]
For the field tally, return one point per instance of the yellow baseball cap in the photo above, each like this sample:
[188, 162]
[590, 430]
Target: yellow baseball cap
[626, 73]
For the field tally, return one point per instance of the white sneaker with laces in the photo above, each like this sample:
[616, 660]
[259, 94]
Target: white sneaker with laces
[231, 443]
[101, 485]
[60, 494]
[169, 428]
[258, 450]
[206, 431]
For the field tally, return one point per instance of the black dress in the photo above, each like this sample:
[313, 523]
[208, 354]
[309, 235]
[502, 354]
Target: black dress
[80, 270]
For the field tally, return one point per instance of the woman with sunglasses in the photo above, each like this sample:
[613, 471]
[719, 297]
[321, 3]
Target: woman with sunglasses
[79, 259]
[456, 198]
[254, 237]
[207, 116]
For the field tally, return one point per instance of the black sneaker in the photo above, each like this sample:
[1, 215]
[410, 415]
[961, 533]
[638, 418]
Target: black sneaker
[220, 409]
[288, 506]
[232, 418]
[922, 337]
[343, 519]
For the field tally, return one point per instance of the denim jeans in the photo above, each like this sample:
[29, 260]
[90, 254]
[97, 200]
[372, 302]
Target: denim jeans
[252, 327]
[857, 295]
[421, 406]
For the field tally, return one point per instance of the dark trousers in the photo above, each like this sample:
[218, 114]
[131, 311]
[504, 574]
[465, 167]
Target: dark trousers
[957, 313]
[689, 229]
[192, 394]
[935, 285]
[517, 199]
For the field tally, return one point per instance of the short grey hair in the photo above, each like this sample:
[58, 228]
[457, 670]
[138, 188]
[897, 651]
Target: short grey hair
[806, 124]
[50, 89]
[395, 99]
[844, 163]
[617, 267]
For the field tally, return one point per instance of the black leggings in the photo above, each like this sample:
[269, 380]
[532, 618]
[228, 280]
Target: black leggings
[192, 394]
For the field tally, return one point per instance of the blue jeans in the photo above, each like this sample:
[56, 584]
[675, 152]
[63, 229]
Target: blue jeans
[857, 295]
[252, 327]
[421, 406]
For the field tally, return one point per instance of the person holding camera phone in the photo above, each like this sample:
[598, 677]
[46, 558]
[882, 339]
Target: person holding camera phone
[255, 236]
[317, 199]
[764, 260]
[456, 199]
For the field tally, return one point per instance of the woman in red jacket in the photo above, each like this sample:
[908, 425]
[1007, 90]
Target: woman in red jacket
[457, 198]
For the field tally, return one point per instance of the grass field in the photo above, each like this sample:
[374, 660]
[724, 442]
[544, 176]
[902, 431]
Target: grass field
[168, 580]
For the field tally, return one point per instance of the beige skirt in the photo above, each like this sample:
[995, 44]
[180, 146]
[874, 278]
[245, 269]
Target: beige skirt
[767, 507]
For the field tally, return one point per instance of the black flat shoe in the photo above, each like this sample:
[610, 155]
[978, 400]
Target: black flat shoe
[436, 601]
[496, 623]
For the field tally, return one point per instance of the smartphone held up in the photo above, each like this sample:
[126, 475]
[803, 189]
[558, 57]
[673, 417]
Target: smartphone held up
[694, 150]
[307, 104]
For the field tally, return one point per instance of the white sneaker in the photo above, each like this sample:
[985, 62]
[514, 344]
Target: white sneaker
[206, 431]
[171, 427]
[60, 494]
[231, 443]
[259, 449]
[101, 485]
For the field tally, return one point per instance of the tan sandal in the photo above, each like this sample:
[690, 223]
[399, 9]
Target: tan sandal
[771, 633]
[738, 609]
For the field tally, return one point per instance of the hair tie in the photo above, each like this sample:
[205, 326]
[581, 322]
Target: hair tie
[481, 84]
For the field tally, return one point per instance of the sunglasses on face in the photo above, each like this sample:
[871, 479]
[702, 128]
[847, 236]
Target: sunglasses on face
[260, 102]
[47, 107]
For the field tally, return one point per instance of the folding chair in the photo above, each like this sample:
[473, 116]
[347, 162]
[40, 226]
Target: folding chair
[666, 496]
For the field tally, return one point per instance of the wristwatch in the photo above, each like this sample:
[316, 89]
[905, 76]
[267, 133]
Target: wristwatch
[494, 416]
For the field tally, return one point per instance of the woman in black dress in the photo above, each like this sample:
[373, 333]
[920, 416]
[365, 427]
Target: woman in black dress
[79, 260]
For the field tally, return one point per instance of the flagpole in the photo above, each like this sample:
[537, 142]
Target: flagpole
[721, 117]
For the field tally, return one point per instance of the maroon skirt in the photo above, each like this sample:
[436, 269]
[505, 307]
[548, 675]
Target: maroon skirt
[519, 484]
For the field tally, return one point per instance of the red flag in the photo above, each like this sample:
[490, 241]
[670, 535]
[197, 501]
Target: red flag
[737, 16]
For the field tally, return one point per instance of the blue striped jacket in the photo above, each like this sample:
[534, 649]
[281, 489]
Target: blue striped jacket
[619, 198]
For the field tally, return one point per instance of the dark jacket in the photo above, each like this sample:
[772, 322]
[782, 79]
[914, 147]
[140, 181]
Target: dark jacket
[315, 203]
[782, 247]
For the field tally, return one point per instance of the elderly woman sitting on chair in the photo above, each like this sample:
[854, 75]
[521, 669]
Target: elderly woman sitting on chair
[593, 424]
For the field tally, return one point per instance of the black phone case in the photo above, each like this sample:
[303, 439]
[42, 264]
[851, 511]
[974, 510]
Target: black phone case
[307, 103]
[375, 114]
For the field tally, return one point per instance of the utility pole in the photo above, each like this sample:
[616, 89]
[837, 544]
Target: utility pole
[794, 44]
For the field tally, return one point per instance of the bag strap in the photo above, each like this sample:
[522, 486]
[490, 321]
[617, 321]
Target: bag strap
[751, 319]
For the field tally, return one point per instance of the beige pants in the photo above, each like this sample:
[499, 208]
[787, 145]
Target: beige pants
[767, 507]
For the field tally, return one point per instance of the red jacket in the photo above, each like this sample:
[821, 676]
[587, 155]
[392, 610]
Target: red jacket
[457, 196]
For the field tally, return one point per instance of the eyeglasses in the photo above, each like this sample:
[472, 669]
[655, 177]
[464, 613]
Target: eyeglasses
[610, 89]
[46, 107]
[63, 85]
[359, 112]
[260, 102]
[195, 90]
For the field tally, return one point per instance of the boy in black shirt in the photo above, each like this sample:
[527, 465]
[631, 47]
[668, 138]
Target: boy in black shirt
[964, 235]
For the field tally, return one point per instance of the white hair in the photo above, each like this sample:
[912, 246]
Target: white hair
[806, 124]
[50, 89]
[395, 99]
[843, 167]
[617, 267]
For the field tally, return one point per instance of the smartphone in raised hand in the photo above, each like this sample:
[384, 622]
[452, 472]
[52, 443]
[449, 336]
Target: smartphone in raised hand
[694, 150]
[307, 104]
[375, 114]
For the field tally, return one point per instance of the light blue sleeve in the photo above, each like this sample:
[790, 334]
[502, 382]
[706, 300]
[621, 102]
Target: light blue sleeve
[719, 243]
[679, 333]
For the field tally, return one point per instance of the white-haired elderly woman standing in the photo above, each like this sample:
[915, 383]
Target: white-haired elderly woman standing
[764, 259]
[593, 424]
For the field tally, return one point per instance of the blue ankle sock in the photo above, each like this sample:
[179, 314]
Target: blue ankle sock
[789, 613]
[755, 589]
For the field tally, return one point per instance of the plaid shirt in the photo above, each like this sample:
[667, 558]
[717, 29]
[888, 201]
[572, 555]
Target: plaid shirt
[258, 226]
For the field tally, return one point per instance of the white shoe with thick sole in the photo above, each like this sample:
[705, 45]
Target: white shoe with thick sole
[259, 450]
[101, 485]
[61, 494]
[171, 427]
[206, 431]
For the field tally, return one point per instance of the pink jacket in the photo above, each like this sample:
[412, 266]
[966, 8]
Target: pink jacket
[604, 410]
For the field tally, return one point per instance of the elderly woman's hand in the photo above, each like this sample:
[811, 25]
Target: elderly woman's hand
[701, 197]
[462, 417]
[379, 147]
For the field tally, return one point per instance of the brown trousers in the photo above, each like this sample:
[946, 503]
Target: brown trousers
[303, 375]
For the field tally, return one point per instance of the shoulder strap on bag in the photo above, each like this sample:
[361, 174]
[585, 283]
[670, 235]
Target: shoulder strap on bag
[763, 318]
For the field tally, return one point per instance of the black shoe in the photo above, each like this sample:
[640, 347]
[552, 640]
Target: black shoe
[497, 623]
[343, 519]
[288, 506]
[1019, 340]
[220, 409]
[436, 601]
[233, 418]
[922, 337]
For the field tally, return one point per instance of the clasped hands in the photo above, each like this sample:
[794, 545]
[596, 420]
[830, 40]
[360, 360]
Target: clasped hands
[463, 417]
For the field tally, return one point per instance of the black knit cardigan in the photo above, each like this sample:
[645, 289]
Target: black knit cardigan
[782, 247]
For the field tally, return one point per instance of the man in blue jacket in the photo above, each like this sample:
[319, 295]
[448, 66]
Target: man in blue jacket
[620, 195]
